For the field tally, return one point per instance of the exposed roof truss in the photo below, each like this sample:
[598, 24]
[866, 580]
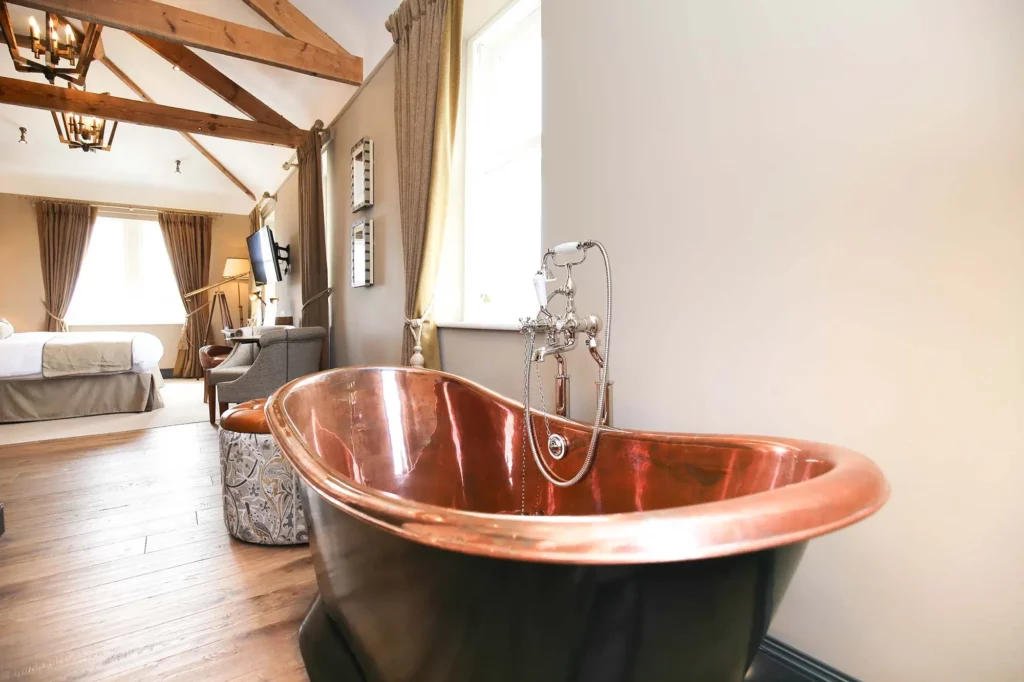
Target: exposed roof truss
[170, 31]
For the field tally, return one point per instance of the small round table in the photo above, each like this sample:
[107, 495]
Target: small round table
[242, 339]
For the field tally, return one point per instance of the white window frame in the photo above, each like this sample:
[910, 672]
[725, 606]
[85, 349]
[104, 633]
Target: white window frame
[474, 254]
[123, 310]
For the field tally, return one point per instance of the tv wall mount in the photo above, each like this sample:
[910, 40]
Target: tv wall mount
[284, 255]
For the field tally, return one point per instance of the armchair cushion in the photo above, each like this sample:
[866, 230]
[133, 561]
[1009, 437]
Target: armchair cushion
[283, 355]
[222, 374]
[211, 356]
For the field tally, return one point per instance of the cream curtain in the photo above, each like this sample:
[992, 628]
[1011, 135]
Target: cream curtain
[428, 38]
[64, 230]
[312, 237]
[188, 237]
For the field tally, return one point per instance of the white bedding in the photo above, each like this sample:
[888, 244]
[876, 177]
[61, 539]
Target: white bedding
[21, 355]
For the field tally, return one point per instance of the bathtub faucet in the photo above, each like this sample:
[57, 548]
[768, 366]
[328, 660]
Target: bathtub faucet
[560, 333]
[560, 330]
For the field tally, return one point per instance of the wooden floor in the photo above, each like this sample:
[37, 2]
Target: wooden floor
[116, 566]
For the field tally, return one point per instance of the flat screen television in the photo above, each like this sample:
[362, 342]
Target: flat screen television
[263, 256]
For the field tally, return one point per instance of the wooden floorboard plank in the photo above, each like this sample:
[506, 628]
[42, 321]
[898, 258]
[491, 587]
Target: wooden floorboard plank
[249, 655]
[113, 658]
[37, 568]
[73, 479]
[69, 448]
[206, 533]
[116, 565]
[130, 488]
[26, 543]
[99, 506]
[110, 522]
[171, 503]
[209, 562]
[282, 673]
[127, 619]
[159, 565]
[205, 516]
[221, 652]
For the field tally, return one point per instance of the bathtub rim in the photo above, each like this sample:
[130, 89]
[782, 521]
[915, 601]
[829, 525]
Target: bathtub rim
[852, 490]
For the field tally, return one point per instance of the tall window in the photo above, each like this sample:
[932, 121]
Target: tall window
[503, 167]
[126, 277]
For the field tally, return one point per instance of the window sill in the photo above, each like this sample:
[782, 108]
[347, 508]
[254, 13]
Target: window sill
[484, 326]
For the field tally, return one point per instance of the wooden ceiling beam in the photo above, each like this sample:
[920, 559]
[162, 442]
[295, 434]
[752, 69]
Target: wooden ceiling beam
[181, 26]
[91, 49]
[39, 96]
[284, 16]
[204, 73]
[134, 87]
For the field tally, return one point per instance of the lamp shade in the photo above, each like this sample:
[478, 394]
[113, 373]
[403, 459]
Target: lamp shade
[236, 266]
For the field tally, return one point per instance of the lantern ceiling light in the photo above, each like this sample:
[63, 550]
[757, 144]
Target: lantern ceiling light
[55, 47]
[88, 133]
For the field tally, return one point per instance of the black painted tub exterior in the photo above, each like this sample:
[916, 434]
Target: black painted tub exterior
[394, 610]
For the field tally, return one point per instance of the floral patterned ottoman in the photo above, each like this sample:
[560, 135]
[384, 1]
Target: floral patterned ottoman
[262, 503]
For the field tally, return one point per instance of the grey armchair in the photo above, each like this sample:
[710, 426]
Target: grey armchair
[256, 370]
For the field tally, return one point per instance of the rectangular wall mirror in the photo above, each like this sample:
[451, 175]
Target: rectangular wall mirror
[362, 174]
[362, 253]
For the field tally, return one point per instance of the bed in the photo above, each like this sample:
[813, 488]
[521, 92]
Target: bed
[54, 375]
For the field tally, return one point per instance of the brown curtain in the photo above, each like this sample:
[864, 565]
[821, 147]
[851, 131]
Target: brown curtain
[187, 237]
[312, 238]
[64, 230]
[255, 220]
[428, 37]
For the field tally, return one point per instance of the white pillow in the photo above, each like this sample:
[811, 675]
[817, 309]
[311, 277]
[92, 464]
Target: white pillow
[6, 328]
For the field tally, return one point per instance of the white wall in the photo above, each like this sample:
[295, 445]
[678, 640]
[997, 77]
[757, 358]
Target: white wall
[816, 228]
[816, 225]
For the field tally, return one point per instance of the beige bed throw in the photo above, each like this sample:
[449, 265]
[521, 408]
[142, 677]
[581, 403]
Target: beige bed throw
[70, 355]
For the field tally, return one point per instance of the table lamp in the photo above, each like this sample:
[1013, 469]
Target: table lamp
[233, 267]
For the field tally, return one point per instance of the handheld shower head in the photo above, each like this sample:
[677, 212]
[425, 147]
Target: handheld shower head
[540, 287]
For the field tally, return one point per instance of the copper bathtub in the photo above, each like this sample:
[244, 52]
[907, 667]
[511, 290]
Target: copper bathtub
[442, 555]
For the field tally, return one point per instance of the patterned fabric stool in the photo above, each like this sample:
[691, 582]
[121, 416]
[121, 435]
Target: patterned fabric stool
[261, 496]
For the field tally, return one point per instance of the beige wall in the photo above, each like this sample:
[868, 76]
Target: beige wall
[21, 280]
[286, 233]
[228, 241]
[367, 321]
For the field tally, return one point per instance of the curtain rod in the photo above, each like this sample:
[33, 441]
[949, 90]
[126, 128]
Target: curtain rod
[34, 198]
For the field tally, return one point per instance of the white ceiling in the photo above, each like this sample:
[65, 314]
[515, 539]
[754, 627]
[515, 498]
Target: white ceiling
[139, 169]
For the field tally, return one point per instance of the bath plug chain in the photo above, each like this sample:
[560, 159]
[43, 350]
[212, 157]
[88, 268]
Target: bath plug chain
[556, 444]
